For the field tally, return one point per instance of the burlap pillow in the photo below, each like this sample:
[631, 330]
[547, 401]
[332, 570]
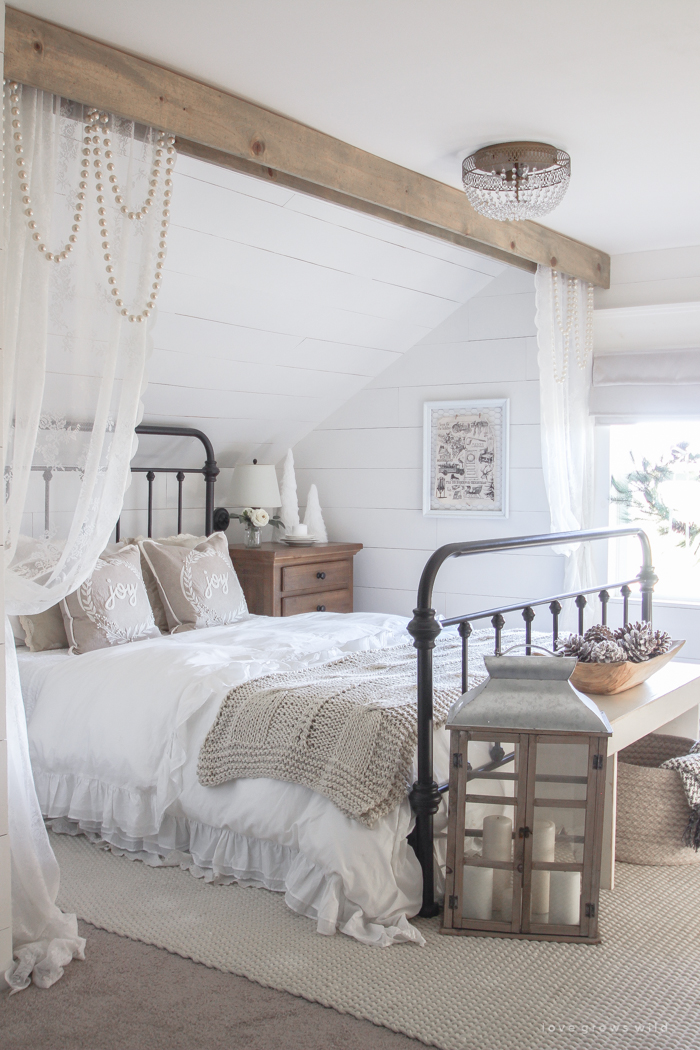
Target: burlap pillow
[45, 630]
[111, 607]
[198, 587]
[184, 539]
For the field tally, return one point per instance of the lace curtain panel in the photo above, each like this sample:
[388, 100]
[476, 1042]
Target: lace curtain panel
[564, 320]
[86, 211]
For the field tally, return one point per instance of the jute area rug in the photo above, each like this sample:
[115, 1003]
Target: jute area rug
[638, 989]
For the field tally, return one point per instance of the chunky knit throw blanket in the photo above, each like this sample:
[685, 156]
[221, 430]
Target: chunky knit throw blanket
[689, 768]
[346, 729]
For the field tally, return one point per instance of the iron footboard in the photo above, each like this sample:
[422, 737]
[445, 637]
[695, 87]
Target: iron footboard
[425, 628]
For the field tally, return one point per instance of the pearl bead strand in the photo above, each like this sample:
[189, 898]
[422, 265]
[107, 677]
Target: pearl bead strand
[25, 189]
[572, 322]
[92, 152]
[583, 358]
[165, 145]
[561, 377]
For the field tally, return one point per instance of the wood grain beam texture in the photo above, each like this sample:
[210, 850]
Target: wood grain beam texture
[227, 130]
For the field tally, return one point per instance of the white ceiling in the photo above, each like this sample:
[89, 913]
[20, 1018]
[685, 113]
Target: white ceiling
[423, 83]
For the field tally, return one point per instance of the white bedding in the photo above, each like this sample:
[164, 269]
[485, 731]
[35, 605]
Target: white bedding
[114, 738]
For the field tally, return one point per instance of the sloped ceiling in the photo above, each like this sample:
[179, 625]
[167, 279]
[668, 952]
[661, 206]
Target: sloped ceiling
[276, 308]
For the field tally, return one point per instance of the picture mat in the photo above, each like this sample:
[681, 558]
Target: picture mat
[471, 437]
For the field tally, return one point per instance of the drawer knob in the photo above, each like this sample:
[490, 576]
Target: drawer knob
[320, 575]
[320, 608]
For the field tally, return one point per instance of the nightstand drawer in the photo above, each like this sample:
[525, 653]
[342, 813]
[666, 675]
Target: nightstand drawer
[317, 576]
[328, 601]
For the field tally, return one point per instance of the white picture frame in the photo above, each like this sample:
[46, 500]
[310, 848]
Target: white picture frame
[475, 444]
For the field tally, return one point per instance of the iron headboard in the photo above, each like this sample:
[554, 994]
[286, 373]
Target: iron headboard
[209, 471]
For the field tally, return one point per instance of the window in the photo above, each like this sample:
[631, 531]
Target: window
[655, 468]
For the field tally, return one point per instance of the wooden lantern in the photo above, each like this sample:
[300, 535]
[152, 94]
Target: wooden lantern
[525, 862]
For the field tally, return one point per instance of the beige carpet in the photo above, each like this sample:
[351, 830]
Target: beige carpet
[132, 996]
[640, 988]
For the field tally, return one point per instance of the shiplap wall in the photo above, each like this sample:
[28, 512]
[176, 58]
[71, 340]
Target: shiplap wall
[367, 461]
[276, 308]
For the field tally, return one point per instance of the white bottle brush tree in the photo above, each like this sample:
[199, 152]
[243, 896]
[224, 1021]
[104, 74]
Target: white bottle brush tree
[289, 511]
[313, 518]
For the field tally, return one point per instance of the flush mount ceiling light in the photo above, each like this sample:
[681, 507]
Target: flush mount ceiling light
[516, 180]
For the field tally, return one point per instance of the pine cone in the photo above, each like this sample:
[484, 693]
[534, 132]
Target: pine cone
[638, 641]
[662, 643]
[604, 652]
[599, 633]
[570, 645]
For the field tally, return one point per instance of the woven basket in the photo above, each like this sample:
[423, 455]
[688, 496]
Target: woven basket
[652, 810]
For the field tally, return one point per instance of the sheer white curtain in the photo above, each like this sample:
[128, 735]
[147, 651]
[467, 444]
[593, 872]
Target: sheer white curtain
[86, 217]
[564, 338]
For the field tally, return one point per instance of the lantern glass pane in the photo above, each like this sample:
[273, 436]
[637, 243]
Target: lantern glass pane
[487, 891]
[562, 771]
[560, 893]
[559, 830]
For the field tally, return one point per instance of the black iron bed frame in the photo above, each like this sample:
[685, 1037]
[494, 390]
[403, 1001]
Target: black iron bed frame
[209, 471]
[426, 626]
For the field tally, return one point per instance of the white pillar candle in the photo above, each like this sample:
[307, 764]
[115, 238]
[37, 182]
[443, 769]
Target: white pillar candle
[544, 833]
[477, 890]
[565, 898]
[300, 530]
[498, 840]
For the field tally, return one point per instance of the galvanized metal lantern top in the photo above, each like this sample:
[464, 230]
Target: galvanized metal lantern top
[528, 694]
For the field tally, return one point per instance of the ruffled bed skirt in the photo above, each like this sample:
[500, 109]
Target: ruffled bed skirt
[222, 856]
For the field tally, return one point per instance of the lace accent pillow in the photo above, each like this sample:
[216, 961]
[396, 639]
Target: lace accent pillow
[198, 587]
[111, 607]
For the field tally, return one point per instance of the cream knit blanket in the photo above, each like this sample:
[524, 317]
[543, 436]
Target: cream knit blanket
[346, 729]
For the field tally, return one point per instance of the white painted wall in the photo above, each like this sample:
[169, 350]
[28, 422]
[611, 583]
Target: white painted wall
[671, 275]
[367, 461]
[5, 894]
[276, 308]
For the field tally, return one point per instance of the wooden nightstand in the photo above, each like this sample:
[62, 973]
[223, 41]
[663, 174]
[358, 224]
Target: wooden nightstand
[278, 580]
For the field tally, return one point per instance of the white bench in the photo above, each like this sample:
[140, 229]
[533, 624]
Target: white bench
[668, 703]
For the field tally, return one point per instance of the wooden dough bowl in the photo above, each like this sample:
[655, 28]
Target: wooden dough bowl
[606, 679]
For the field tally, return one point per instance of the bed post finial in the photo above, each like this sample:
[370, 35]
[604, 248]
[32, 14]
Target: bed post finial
[425, 797]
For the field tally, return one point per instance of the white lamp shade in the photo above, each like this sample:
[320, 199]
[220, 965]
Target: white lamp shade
[255, 485]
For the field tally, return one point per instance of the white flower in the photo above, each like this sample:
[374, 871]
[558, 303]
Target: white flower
[247, 513]
[259, 517]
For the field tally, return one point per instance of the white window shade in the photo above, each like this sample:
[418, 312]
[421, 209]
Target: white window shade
[631, 386]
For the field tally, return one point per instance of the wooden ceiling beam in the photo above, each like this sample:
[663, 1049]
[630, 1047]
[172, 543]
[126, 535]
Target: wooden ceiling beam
[225, 129]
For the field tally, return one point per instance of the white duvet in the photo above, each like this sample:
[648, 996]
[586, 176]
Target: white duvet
[115, 735]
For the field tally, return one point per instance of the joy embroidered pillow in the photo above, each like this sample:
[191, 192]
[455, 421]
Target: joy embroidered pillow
[111, 607]
[198, 587]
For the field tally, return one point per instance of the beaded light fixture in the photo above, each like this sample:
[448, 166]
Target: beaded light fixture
[516, 180]
[96, 149]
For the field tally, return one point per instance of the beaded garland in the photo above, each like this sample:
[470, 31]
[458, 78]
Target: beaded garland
[582, 358]
[97, 145]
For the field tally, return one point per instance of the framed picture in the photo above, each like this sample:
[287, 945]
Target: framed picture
[465, 459]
